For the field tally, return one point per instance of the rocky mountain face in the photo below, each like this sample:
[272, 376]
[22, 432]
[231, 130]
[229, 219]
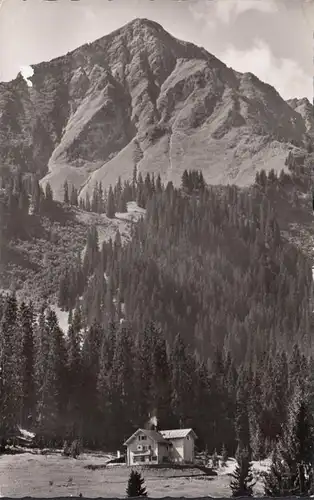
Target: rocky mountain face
[141, 97]
[306, 110]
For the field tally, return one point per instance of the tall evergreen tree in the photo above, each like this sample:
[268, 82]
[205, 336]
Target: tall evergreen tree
[10, 389]
[182, 382]
[242, 414]
[111, 208]
[185, 181]
[66, 193]
[27, 360]
[277, 480]
[296, 448]
[48, 193]
[122, 384]
[91, 256]
[74, 196]
[242, 482]
[75, 374]
[53, 391]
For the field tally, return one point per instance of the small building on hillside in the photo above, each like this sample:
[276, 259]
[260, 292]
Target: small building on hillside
[156, 447]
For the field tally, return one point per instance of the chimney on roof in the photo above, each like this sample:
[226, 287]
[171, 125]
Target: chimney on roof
[152, 423]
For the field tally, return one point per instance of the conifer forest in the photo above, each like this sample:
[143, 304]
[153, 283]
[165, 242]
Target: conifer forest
[203, 319]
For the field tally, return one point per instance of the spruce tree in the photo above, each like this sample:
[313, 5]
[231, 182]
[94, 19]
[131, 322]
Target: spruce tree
[200, 181]
[26, 321]
[134, 183]
[185, 181]
[95, 199]
[66, 193]
[224, 455]
[10, 373]
[161, 377]
[136, 485]
[100, 198]
[122, 205]
[292, 464]
[48, 194]
[158, 184]
[181, 381]
[121, 381]
[53, 391]
[296, 447]
[91, 351]
[277, 480]
[242, 482]
[140, 194]
[215, 460]
[103, 386]
[64, 292]
[102, 382]
[111, 208]
[36, 196]
[87, 203]
[74, 197]
[75, 372]
[91, 256]
[144, 374]
[242, 412]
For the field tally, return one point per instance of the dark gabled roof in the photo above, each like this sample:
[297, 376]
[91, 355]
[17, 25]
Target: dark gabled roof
[155, 435]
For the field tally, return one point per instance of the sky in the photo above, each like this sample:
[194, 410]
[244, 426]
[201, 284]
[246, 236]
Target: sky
[271, 38]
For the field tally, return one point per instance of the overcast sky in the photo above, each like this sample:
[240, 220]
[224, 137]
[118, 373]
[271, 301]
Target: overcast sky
[270, 38]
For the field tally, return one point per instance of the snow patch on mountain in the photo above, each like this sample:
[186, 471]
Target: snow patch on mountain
[62, 317]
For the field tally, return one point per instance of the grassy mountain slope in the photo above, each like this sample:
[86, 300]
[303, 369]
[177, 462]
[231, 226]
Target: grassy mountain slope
[34, 264]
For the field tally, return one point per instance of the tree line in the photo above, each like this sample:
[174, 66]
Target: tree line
[114, 199]
[22, 199]
[100, 383]
[203, 318]
[228, 279]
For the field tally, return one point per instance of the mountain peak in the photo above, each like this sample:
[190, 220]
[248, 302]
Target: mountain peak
[137, 25]
[145, 23]
[133, 27]
[140, 97]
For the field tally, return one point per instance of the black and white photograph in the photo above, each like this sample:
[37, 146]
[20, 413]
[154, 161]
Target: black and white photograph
[156, 249]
